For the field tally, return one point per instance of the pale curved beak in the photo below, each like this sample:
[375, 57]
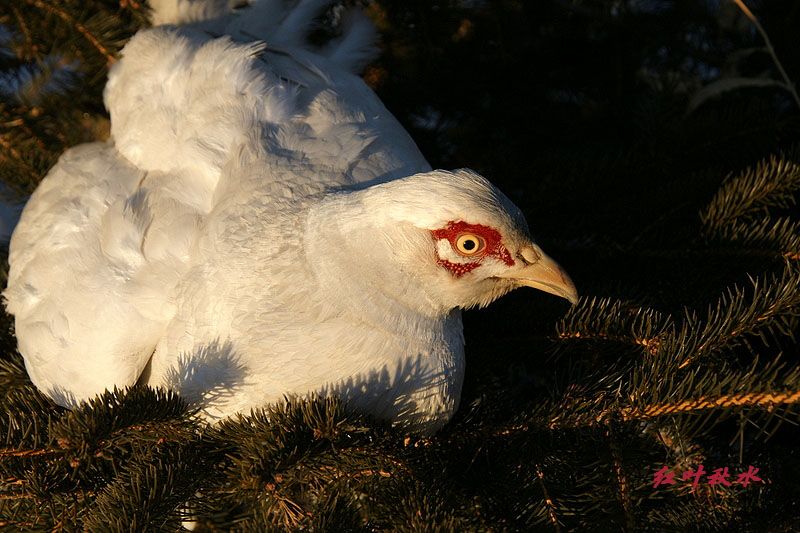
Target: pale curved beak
[539, 271]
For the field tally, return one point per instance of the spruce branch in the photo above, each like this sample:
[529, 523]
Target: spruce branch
[285, 459]
[135, 408]
[767, 310]
[773, 183]
[27, 413]
[764, 400]
[93, 39]
[606, 319]
[56, 60]
[709, 394]
[768, 237]
[16, 524]
[706, 390]
[150, 493]
[773, 305]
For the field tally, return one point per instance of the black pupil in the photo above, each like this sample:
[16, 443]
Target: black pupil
[469, 244]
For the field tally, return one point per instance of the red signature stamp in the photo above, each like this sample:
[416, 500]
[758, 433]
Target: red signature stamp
[719, 476]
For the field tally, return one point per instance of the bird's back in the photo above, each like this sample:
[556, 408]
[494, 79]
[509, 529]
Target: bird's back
[200, 121]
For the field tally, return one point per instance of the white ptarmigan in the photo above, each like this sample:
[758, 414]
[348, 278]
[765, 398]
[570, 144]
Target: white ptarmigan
[259, 225]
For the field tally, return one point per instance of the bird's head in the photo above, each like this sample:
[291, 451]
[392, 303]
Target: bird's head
[441, 239]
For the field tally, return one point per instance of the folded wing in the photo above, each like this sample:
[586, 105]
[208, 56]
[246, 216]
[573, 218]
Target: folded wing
[110, 232]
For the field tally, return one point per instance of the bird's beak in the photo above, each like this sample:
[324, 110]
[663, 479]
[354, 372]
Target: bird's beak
[537, 270]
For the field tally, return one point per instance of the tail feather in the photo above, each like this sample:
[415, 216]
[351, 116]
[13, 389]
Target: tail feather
[294, 29]
[356, 47]
[258, 20]
[280, 23]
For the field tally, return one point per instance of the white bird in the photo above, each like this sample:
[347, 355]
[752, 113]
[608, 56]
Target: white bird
[259, 226]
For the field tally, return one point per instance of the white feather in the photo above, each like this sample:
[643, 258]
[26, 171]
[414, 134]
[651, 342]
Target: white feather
[186, 11]
[294, 27]
[356, 46]
[258, 225]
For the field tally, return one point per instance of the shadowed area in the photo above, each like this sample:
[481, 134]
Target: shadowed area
[210, 374]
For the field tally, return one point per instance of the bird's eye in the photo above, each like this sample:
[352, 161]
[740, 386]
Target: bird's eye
[469, 244]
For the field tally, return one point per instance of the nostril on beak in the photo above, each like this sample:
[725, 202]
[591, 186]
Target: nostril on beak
[529, 255]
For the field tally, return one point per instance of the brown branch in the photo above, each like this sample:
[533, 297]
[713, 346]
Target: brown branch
[13, 123]
[31, 48]
[9, 452]
[14, 152]
[291, 512]
[7, 523]
[749, 14]
[627, 414]
[757, 399]
[766, 400]
[338, 473]
[66, 17]
[551, 508]
[4, 497]
[623, 487]
[19, 122]
[650, 344]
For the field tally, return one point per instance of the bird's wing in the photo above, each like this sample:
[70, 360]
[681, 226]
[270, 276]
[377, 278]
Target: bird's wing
[188, 97]
[90, 262]
[111, 231]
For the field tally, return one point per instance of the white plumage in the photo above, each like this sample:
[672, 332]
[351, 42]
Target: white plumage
[259, 225]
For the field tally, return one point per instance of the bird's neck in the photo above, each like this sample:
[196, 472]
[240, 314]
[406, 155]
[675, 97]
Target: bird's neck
[361, 263]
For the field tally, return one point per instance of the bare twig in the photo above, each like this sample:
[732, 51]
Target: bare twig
[749, 14]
